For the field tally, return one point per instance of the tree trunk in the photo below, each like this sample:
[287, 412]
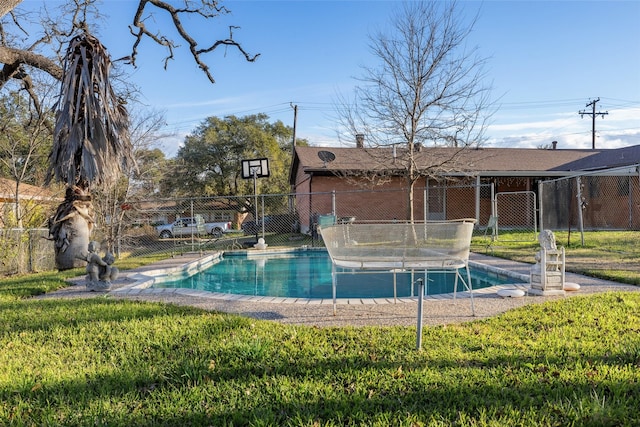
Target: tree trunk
[411, 181]
[17, 210]
[410, 211]
[7, 6]
[70, 229]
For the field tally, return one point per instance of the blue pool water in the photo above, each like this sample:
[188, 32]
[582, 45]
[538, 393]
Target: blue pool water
[307, 274]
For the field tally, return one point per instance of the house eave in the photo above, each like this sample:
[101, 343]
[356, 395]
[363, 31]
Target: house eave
[530, 173]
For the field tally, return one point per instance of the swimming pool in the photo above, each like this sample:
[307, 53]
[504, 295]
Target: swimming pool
[307, 274]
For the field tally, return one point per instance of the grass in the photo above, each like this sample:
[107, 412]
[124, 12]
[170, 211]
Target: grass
[100, 361]
[611, 255]
[25, 285]
[15, 287]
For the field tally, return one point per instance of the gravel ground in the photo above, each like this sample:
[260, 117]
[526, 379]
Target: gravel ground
[320, 313]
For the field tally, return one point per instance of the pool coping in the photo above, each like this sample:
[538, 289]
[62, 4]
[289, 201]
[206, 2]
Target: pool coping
[144, 278]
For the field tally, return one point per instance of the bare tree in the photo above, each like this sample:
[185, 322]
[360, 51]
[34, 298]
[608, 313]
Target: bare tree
[92, 137]
[113, 201]
[427, 90]
[25, 139]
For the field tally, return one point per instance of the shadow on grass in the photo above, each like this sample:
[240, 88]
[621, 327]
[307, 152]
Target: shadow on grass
[176, 383]
[157, 364]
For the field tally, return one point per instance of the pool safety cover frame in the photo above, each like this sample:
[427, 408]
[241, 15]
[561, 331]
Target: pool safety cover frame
[422, 247]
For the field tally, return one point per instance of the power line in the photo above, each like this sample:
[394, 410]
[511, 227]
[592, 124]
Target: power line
[520, 105]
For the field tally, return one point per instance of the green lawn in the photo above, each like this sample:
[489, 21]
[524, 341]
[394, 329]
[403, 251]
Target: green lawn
[99, 361]
[612, 255]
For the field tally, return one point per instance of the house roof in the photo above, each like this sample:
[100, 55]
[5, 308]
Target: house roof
[455, 161]
[604, 159]
[26, 191]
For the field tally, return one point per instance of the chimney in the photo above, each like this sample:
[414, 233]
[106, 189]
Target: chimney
[360, 140]
[554, 144]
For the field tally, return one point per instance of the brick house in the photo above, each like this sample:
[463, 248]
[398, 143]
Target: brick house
[28, 197]
[336, 169]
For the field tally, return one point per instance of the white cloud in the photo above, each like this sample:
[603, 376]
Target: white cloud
[617, 129]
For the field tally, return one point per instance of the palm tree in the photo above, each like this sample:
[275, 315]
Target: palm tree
[91, 145]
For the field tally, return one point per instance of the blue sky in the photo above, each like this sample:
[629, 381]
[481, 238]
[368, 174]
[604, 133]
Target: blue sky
[547, 60]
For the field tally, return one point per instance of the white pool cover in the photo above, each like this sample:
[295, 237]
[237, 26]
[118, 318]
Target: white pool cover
[432, 246]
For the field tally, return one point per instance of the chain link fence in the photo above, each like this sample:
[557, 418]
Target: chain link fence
[280, 219]
[25, 251]
[600, 200]
[175, 226]
[515, 211]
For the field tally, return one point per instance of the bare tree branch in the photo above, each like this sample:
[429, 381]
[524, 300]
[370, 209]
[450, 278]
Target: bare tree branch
[209, 9]
[80, 16]
[14, 58]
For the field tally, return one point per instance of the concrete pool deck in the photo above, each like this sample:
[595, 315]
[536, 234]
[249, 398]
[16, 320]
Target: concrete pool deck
[438, 309]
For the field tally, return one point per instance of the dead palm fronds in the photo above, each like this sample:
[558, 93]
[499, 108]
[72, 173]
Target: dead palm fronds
[91, 138]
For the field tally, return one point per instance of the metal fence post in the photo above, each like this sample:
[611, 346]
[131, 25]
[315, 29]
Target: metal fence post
[333, 203]
[540, 204]
[425, 204]
[580, 218]
[30, 263]
[193, 218]
[494, 212]
[478, 190]
[262, 200]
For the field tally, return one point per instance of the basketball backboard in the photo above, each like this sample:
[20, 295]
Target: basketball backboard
[255, 167]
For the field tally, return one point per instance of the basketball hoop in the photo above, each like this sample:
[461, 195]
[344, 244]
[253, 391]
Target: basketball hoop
[254, 169]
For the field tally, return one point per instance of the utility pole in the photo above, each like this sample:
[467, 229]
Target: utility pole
[292, 200]
[295, 120]
[593, 115]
